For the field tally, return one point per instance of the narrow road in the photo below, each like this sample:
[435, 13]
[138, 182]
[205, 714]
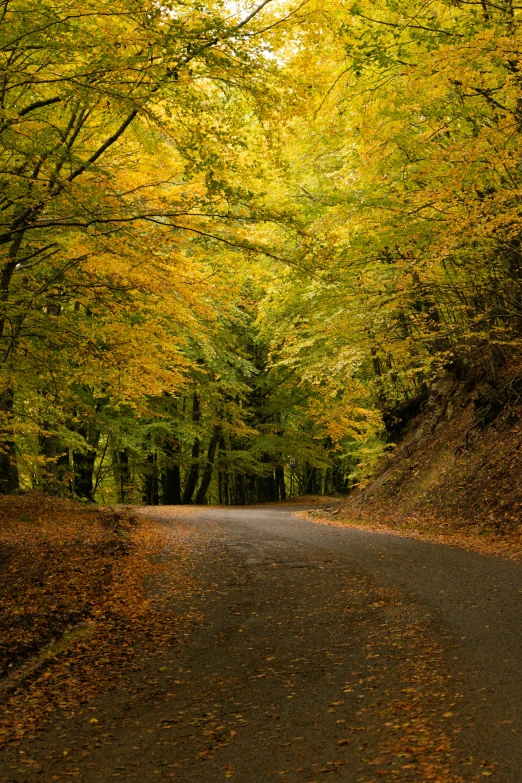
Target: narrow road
[321, 651]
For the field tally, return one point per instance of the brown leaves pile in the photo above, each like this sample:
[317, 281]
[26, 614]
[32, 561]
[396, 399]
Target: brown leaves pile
[76, 606]
[56, 557]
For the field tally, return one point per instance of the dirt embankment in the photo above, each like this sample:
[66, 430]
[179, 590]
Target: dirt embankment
[457, 466]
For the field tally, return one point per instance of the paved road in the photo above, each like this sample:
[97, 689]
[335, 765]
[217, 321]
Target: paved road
[323, 651]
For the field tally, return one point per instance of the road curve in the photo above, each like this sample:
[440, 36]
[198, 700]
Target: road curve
[321, 651]
[472, 602]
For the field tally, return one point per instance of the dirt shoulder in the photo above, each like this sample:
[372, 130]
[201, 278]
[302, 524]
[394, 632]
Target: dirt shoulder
[424, 527]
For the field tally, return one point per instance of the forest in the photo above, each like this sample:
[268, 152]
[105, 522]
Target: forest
[234, 235]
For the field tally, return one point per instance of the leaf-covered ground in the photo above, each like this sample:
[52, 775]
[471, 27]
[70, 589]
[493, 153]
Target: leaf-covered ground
[77, 612]
[424, 526]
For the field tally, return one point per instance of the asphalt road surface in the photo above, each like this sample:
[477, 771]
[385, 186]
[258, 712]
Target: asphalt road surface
[321, 652]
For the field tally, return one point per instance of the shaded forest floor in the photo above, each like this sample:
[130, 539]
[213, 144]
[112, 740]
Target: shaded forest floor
[76, 611]
[455, 475]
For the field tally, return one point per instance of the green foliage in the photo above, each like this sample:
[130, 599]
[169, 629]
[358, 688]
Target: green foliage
[223, 247]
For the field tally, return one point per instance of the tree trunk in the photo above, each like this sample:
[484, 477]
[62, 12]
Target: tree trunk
[172, 476]
[56, 456]
[56, 462]
[337, 476]
[83, 462]
[123, 475]
[266, 487]
[83, 474]
[250, 490]
[309, 487]
[193, 475]
[9, 479]
[224, 489]
[280, 480]
[207, 473]
[239, 490]
[151, 486]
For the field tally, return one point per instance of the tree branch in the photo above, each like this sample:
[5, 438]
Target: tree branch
[39, 105]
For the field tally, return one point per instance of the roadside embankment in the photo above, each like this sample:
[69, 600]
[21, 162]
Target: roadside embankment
[455, 474]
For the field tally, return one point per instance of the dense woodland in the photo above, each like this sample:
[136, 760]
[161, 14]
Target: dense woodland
[234, 234]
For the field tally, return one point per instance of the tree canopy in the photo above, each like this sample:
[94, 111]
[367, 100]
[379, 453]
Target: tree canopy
[235, 234]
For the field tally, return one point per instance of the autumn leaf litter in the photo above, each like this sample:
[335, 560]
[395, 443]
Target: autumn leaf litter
[84, 600]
